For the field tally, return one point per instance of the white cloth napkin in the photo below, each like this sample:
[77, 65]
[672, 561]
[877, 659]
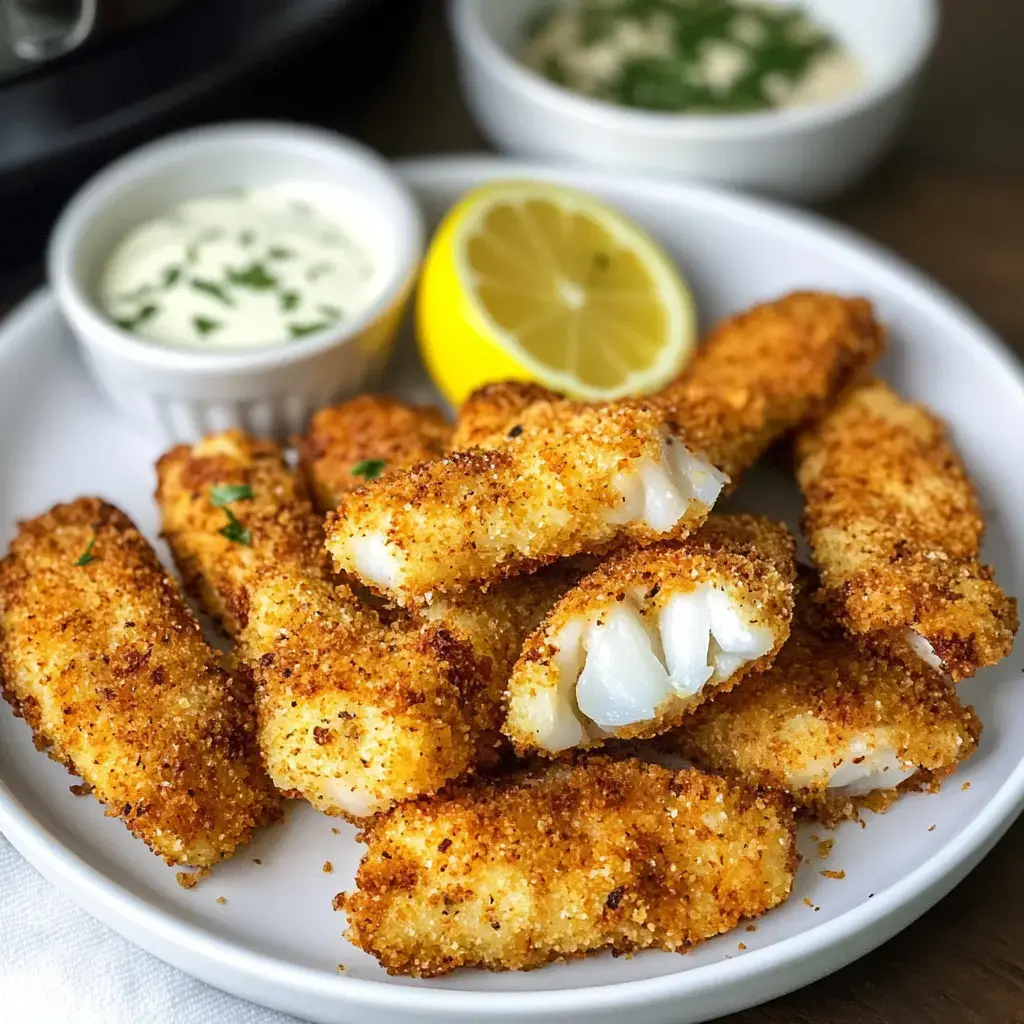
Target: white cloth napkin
[59, 966]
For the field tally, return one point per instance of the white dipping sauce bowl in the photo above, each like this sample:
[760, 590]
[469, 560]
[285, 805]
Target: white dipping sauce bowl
[804, 153]
[181, 394]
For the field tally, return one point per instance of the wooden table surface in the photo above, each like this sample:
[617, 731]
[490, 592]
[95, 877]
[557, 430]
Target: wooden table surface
[951, 200]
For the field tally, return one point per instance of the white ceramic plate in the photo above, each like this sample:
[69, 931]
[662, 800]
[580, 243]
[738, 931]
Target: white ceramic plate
[276, 940]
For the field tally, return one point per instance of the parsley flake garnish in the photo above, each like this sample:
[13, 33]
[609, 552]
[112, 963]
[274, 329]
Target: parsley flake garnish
[279, 252]
[301, 330]
[369, 469]
[204, 325]
[214, 290]
[254, 276]
[225, 494]
[172, 275]
[87, 556]
[235, 531]
[289, 300]
[130, 323]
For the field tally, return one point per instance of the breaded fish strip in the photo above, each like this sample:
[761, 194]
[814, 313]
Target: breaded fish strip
[491, 411]
[765, 372]
[653, 633]
[372, 429]
[554, 864]
[103, 658]
[895, 528]
[835, 727]
[494, 625]
[283, 530]
[575, 479]
[353, 715]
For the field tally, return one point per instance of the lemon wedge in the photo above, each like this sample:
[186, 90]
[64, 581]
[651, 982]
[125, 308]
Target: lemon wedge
[532, 281]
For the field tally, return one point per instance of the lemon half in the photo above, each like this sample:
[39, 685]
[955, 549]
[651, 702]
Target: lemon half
[533, 281]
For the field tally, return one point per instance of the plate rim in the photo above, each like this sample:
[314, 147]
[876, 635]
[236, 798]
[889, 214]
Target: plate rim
[780, 966]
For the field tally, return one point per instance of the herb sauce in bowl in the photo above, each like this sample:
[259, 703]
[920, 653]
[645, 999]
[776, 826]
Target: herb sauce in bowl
[254, 267]
[690, 56]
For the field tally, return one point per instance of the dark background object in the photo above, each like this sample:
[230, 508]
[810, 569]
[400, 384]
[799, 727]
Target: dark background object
[204, 60]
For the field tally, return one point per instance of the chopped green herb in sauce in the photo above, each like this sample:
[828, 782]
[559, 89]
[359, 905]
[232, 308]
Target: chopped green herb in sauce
[289, 300]
[204, 325]
[301, 330]
[130, 323]
[369, 469]
[689, 56]
[87, 556]
[254, 276]
[213, 289]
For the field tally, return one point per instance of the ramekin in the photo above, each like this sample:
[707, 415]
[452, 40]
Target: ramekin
[798, 153]
[181, 394]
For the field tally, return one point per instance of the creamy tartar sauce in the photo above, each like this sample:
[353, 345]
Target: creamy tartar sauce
[254, 267]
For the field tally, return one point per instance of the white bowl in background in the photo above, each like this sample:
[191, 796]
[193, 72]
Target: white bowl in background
[799, 153]
[182, 394]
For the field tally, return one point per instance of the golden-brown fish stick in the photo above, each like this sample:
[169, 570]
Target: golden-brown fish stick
[895, 528]
[103, 658]
[491, 411]
[575, 479]
[764, 372]
[653, 633]
[554, 864]
[833, 726]
[353, 715]
[374, 434]
[277, 527]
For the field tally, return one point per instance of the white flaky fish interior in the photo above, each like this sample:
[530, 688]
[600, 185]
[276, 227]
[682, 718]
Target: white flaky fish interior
[376, 561]
[616, 667]
[869, 763]
[923, 649]
[659, 492]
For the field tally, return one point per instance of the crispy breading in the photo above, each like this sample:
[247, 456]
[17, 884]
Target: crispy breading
[835, 727]
[895, 528]
[494, 625]
[576, 479]
[763, 373]
[557, 863]
[373, 428]
[491, 411]
[285, 532]
[103, 658]
[636, 638]
[353, 714]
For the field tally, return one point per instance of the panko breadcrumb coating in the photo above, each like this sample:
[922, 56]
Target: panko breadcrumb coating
[895, 528]
[491, 411]
[494, 625]
[103, 658]
[763, 373]
[575, 479]
[368, 429]
[653, 633]
[353, 714]
[554, 864]
[835, 727]
[284, 531]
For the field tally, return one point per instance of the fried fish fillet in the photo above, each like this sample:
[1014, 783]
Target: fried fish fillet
[763, 373]
[895, 528]
[353, 714]
[651, 634]
[103, 658]
[491, 411]
[557, 863]
[575, 479]
[373, 433]
[835, 727]
[565, 478]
